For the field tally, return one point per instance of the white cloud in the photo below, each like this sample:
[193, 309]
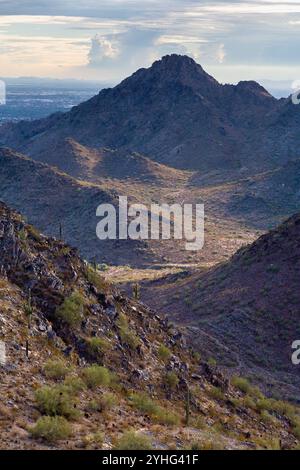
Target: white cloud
[221, 53]
[102, 49]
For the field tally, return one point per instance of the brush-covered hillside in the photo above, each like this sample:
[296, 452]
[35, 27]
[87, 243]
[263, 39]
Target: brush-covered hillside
[83, 366]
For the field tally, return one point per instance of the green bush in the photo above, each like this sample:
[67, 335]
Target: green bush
[94, 376]
[240, 383]
[127, 336]
[217, 393]
[144, 403]
[147, 406]
[104, 403]
[55, 370]
[74, 384]
[245, 386]
[207, 445]
[166, 417]
[164, 353]
[171, 380]
[94, 278]
[267, 417]
[94, 439]
[271, 443]
[51, 428]
[212, 362]
[55, 401]
[133, 441]
[98, 346]
[72, 309]
[296, 431]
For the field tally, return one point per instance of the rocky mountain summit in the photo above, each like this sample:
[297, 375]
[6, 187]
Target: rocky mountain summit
[176, 114]
[87, 367]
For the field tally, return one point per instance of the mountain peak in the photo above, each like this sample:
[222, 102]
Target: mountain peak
[254, 87]
[172, 69]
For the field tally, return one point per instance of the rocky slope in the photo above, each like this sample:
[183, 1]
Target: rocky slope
[245, 313]
[175, 113]
[52, 200]
[70, 318]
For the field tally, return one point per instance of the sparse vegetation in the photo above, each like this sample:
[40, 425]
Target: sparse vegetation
[127, 336]
[74, 384]
[103, 404]
[72, 309]
[245, 386]
[55, 401]
[159, 414]
[98, 346]
[51, 428]
[133, 441]
[55, 370]
[95, 278]
[95, 376]
[216, 393]
[171, 380]
[164, 353]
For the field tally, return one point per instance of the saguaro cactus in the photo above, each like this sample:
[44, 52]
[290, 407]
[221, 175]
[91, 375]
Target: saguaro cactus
[136, 290]
[187, 406]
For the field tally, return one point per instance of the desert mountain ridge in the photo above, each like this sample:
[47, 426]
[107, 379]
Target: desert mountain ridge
[176, 114]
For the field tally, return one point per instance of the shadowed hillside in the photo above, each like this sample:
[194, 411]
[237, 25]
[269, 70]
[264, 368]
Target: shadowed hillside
[86, 367]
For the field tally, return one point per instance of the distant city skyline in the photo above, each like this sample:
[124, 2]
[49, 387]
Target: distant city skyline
[108, 40]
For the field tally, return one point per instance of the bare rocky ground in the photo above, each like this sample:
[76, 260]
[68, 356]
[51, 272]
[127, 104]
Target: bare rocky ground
[129, 338]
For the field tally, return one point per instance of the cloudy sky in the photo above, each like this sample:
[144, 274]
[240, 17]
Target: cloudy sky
[109, 39]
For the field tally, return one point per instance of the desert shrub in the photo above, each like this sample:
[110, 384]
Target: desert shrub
[74, 384]
[127, 336]
[56, 400]
[143, 403]
[51, 428]
[248, 402]
[34, 233]
[55, 370]
[72, 309]
[94, 278]
[216, 393]
[147, 406]
[196, 355]
[240, 383]
[93, 439]
[94, 376]
[164, 353]
[206, 445]
[98, 346]
[267, 417]
[171, 380]
[199, 422]
[104, 403]
[212, 362]
[296, 431]
[245, 386]
[166, 417]
[267, 443]
[133, 441]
